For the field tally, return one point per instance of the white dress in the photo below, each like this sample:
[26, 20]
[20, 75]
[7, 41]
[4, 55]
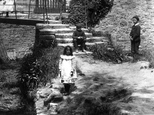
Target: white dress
[67, 69]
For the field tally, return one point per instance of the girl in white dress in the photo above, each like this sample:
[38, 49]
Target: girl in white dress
[67, 68]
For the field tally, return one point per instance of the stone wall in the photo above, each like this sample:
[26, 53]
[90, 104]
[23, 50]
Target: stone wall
[118, 21]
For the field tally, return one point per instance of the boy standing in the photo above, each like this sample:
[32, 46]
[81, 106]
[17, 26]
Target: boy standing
[135, 36]
[79, 38]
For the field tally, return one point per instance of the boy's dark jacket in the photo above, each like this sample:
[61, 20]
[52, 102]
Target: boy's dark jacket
[77, 34]
[135, 33]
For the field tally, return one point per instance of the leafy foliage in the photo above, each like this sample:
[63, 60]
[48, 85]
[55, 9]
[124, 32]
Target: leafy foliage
[31, 71]
[108, 52]
[149, 54]
[79, 11]
[49, 63]
[103, 52]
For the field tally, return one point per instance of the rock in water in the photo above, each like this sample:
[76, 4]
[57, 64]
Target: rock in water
[55, 97]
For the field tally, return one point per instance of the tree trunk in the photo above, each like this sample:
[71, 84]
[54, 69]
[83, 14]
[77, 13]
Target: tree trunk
[3, 53]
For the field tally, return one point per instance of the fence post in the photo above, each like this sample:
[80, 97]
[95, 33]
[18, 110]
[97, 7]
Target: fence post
[15, 9]
[43, 11]
[46, 10]
[29, 8]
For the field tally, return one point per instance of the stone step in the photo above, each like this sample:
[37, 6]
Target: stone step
[53, 26]
[54, 15]
[54, 22]
[71, 44]
[69, 35]
[91, 39]
[74, 28]
[53, 31]
[60, 30]
[62, 36]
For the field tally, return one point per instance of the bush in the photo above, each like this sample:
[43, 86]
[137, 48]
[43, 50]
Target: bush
[97, 33]
[149, 54]
[33, 69]
[29, 73]
[78, 11]
[49, 63]
[106, 53]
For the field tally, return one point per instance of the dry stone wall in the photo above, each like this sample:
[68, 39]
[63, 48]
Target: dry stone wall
[118, 21]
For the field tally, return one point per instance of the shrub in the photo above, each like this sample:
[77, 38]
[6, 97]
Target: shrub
[97, 33]
[78, 11]
[106, 53]
[149, 54]
[49, 63]
[30, 72]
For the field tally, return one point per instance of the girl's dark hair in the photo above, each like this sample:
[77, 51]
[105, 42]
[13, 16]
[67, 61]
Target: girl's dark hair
[65, 49]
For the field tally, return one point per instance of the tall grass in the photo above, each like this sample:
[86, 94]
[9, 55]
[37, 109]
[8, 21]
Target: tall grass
[108, 51]
[49, 63]
[35, 66]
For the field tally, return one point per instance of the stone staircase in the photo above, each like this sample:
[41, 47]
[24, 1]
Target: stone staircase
[64, 32]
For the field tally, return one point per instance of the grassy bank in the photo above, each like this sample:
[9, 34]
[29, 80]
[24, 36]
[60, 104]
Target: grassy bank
[12, 101]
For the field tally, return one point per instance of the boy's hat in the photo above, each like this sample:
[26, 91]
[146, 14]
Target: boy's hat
[137, 18]
[79, 25]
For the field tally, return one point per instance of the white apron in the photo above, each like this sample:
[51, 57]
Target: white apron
[67, 70]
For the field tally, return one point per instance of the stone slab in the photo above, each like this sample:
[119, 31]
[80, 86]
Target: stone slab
[70, 40]
[53, 26]
[71, 44]
[69, 35]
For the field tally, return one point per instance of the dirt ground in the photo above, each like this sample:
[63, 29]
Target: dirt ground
[134, 76]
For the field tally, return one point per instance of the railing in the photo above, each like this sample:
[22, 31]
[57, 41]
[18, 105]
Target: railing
[32, 10]
[18, 10]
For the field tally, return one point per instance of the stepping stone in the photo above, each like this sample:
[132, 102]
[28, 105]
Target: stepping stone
[53, 26]
[54, 31]
[80, 52]
[71, 44]
[83, 29]
[54, 22]
[89, 40]
[69, 35]
[48, 31]
[64, 40]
